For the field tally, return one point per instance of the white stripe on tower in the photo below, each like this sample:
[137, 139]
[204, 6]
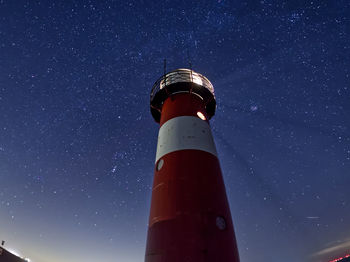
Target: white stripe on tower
[185, 132]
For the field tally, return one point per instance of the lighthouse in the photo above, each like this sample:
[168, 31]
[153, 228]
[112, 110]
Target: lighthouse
[190, 218]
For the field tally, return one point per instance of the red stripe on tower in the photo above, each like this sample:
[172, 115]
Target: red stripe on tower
[190, 218]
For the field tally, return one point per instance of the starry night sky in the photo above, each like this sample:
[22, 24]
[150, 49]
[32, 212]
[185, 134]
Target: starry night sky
[77, 140]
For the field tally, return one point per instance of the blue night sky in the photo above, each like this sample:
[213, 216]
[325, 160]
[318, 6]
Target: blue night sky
[77, 140]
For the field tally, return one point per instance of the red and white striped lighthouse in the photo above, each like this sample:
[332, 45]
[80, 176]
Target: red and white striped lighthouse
[190, 218]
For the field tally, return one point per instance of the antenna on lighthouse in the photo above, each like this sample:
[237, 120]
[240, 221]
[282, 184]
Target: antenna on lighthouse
[164, 70]
[190, 64]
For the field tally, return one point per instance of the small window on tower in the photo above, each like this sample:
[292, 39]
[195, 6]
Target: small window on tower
[201, 115]
[220, 222]
[160, 164]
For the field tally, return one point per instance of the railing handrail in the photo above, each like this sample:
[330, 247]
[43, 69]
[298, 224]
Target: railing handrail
[181, 75]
